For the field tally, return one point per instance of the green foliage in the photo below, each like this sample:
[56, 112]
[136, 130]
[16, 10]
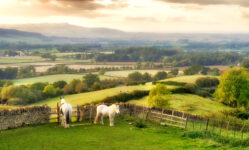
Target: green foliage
[174, 71]
[147, 77]
[8, 73]
[90, 79]
[193, 69]
[190, 87]
[135, 76]
[96, 86]
[50, 91]
[140, 124]
[102, 72]
[5, 83]
[245, 62]
[159, 96]
[175, 83]
[28, 71]
[124, 97]
[207, 82]
[38, 86]
[233, 88]
[71, 87]
[160, 76]
[60, 84]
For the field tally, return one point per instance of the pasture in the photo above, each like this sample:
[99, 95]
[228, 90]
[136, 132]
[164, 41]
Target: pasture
[95, 96]
[127, 72]
[123, 136]
[189, 103]
[187, 79]
[52, 78]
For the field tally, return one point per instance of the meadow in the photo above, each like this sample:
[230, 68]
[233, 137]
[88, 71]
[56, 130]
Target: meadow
[95, 96]
[189, 103]
[123, 136]
[53, 78]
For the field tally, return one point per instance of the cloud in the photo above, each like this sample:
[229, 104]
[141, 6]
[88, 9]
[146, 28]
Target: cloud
[243, 3]
[142, 19]
[68, 7]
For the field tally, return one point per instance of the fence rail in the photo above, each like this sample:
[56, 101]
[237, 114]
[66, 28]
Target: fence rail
[164, 117]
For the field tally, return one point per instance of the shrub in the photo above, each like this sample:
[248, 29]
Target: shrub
[190, 87]
[135, 77]
[38, 86]
[160, 75]
[80, 87]
[193, 69]
[140, 124]
[207, 82]
[50, 91]
[179, 90]
[174, 71]
[101, 72]
[90, 78]
[96, 86]
[60, 84]
[175, 83]
[147, 77]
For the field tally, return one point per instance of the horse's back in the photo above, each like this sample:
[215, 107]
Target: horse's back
[103, 109]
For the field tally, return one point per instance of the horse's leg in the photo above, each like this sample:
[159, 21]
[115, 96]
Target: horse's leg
[102, 119]
[96, 118]
[111, 118]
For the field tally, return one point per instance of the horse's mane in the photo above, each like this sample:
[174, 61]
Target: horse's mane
[113, 107]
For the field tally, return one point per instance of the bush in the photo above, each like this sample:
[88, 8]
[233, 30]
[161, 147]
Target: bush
[96, 86]
[60, 84]
[207, 82]
[80, 87]
[90, 79]
[124, 97]
[38, 86]
[179, 90]
[140, 124]
[172, 83]
[160, 75]
[190, 88]
[174, 71]
[50, 91]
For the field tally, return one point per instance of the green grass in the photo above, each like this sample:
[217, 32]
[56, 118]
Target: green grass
[94, 96]
[189, 103]
[127, 72]
[18, 60]
[187, 79]
[124, 136]
[52, 78]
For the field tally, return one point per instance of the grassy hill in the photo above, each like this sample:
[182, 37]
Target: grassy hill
[52, 78]
[189, 103]
[95, 96]
[187, 79]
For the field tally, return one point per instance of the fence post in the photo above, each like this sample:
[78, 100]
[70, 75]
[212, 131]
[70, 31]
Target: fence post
[147, 114]
[242, 130]
[186, 123]
[227, 127]
[161, 116]
[207, 124]
[90, 117]
[58, 113]
[78, 113]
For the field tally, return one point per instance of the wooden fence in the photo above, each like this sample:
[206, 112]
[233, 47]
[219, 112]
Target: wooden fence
[164, 117]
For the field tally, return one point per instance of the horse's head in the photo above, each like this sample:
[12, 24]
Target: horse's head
[62, 101]
[117, 109]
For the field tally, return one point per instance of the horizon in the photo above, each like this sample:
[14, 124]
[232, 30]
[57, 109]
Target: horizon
[155, 16]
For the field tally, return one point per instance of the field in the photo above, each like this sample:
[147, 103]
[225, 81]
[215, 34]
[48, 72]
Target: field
[53, 78]
[189, 103]
[95, 96]
[127, 72]
[187, 79]
[124, 136]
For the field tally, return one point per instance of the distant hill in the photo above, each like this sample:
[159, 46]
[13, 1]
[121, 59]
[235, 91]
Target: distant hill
[12, 33]
[68, 32]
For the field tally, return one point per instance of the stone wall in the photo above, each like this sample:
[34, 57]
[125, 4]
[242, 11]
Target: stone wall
[24, 116]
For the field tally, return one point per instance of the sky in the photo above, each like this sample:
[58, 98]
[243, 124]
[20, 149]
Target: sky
[163, 16]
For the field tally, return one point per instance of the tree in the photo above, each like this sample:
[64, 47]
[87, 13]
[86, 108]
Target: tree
[50, 91]
[159, 96]
[160, 75]
[60, 84]
[90, 78]
[96, 86]
[101, 72]
[193, 69]
[233, 88]
[174, 71]
[135, 77]
[147, 77]
[245, 62]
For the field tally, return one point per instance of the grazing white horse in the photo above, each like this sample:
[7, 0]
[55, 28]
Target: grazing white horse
[66, 110]
[105, 111]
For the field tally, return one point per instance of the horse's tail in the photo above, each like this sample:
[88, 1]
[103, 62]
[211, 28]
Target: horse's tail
[68, 118]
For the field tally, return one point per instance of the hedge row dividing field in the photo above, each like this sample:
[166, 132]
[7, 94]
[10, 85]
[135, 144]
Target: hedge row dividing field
[123, 136]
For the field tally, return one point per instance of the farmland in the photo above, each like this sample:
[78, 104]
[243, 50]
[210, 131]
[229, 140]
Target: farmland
[89, 97]
[85, 136]
[52, 78]
[189, 103]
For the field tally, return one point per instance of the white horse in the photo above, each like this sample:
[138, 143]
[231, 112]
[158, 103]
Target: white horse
[66, 110]
[105, 111]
